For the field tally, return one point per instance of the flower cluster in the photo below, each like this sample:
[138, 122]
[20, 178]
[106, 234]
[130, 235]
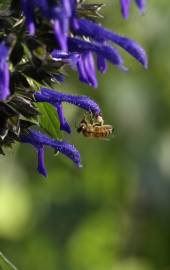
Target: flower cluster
[38, 38]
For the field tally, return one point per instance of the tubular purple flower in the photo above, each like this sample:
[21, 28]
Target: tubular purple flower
[63, 123]
[90, 68]
[70, 58]
[81, 71]
[95, 31]
[28, 9]
[60, 16]
[60, 24]
[39, 140]
[60, 35]
[67, 7]
[57, 14]
[109, 53]
[4, 72]
[125, 6]
[84, 62]
[101, 64]
[141, 5]
[41, 161]
[86, 69]
[56, 98]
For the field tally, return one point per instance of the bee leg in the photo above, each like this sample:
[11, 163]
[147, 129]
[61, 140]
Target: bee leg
[86, 117]
[90, 118]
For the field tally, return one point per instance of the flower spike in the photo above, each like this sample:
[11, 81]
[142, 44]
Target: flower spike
[56, 33]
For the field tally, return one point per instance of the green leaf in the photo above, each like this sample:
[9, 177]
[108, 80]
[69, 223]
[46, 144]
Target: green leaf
[5, 264]
[49, 120]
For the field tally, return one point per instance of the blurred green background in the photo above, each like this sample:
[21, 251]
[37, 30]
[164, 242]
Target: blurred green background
[114, 214]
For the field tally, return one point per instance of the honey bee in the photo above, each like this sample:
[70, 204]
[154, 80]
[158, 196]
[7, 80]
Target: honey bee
[95, 129]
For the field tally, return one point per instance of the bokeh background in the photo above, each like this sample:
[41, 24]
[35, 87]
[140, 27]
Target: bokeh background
[114, 214]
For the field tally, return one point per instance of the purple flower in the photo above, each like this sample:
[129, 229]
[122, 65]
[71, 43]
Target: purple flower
[74, 40]
[67, 7]
[39, 140]
[125, 6]
[85, 63]
[68, 58]
[141, 5]
[101, 64]
[82, 46]
[97, 32]
[56, 99]
[63, 122]
[86, 69]
[59, 15]
[81, 55]
[60, 33]
[28, 9]
[4, 72]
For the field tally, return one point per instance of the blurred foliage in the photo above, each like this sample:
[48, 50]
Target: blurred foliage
[114, 213]
[5, 264]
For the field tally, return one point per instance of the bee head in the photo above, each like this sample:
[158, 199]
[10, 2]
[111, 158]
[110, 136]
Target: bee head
[82, 126]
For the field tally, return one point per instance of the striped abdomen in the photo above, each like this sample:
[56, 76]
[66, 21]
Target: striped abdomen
[94, 131]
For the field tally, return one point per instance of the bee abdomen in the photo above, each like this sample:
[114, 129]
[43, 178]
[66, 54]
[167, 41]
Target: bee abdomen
[97, 134]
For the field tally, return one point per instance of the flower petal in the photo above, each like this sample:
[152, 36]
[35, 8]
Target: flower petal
[125, 6]
[109, 53]
[39, 140]
[4, 72]
[63, 123]
[41, 161]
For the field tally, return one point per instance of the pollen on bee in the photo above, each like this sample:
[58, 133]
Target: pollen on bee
[100, 120]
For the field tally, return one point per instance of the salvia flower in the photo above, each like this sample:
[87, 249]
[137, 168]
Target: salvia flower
[28, 10]
[97, 42]
[105, 51]
[58, 14]
[33, 55]
[4, 72]
[125, 7]
[97, 32]
[39, 140]
[67, 24]
[57, 98]
[81, 55]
